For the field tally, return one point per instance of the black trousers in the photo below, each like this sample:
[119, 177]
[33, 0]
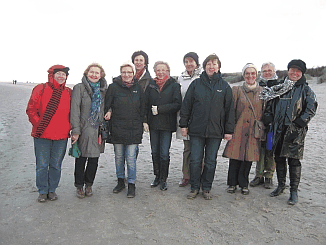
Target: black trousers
[85, 176]
[238, 173]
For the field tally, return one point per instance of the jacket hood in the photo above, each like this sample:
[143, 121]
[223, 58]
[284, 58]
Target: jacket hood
[51, 71]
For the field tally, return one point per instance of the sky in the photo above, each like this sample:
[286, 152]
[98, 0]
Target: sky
[37, 34]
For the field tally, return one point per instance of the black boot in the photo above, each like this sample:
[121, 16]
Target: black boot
[131, 190]
[257, 181]
[295, 175]
[281, 177]
[156, 181]
[120, 186]
[164, 171]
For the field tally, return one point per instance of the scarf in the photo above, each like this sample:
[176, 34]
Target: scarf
[276, 90]
[51, 107]
[264, 80]
[128, 85]
[196, 72]
[95, 114]
[140, 73]
[161, 82]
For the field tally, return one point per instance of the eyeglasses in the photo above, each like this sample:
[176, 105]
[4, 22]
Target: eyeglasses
[126, 72]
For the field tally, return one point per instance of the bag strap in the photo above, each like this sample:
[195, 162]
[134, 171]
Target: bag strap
[252, 107]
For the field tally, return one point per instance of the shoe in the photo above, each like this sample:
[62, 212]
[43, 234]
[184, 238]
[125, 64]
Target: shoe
[42, 197]
[268, 183]
[278, 191]
[120, 186]
[231, 189]
[193, 194]
[245, 191]
[131, 190]
[207, 195]
[52, 196]
[257, 181]
[88, 191]
[163, 186]
[293, 198]
[156, 181]
[184, 182]
[80, 192]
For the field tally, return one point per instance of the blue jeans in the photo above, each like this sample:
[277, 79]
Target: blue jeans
[126, 153]
[49, 156]
[160, 145]
[198, 145]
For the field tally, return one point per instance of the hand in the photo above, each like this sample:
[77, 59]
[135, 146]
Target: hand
[146, 127]
[154, 110]
[108, 115]
[228, 137]
[184, 132]
[74, 138]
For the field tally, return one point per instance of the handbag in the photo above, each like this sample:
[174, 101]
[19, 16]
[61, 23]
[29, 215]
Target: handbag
[74, 151]
[259, 127]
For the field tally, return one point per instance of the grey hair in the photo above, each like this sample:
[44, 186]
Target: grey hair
[161, 63]
[268, 63]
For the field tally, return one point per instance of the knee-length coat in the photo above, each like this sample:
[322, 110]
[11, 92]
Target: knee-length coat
[244, 146]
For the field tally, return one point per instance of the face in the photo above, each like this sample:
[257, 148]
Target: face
[60, 77]
[139, 62]
[250, 76]
[94, 74]
[294, 74]
[190, 64]
[127, 74]
[268, 72]
[211, 67]
[161, 71]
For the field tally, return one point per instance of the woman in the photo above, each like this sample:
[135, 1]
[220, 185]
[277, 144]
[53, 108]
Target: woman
[192, 72]
[124, 105]
[48, 110]
[206, 115]
[163, 101]
[243, 149]
[293, 105]
[87, 112]
[140, 60]
[265, 167]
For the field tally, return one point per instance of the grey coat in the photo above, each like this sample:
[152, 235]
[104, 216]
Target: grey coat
[80, 112]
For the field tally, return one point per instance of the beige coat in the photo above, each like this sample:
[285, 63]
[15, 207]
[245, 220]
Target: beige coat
[244, 146]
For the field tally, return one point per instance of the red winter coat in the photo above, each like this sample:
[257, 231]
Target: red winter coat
[59, 125]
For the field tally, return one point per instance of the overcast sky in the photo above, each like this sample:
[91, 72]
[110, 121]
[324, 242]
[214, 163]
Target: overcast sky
[36, 34]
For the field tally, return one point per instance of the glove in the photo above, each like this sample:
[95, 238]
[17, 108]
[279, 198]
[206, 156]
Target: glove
[146, 128]
[154, 110]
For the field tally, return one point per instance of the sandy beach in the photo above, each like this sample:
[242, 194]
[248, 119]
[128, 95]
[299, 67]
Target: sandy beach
[153, 216]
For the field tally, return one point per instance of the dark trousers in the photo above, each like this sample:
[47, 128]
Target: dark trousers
[82, 175]
[238, 173]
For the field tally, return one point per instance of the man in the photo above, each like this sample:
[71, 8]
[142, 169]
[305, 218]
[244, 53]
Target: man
[266, 166]
[294, 105]
[207, 115]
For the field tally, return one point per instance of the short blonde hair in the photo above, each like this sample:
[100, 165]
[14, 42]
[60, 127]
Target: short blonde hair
[161, 63]
[95, 65]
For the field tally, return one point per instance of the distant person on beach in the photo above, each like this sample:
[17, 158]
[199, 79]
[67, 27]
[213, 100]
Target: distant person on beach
[192, 72]
[207, 115]
[293, 105]
[140, 60]
[265, 167]
[86, 118]
[244, 147]
[124, 107]
[48, 110]
[163, 101]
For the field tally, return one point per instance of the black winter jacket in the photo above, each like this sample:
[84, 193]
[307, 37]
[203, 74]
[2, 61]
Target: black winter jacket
[207, 109]
[300, 110]
[168, 102]
[127, 105]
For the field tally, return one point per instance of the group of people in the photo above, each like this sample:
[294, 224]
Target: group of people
[199, 106]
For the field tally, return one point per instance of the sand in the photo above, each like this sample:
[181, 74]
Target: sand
[153, 216]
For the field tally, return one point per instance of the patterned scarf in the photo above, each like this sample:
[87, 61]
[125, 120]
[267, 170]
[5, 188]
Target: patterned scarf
[161, 82]
[276, 90]
[95, 114]
[140, 73]
[275, 77]
[51, 108]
